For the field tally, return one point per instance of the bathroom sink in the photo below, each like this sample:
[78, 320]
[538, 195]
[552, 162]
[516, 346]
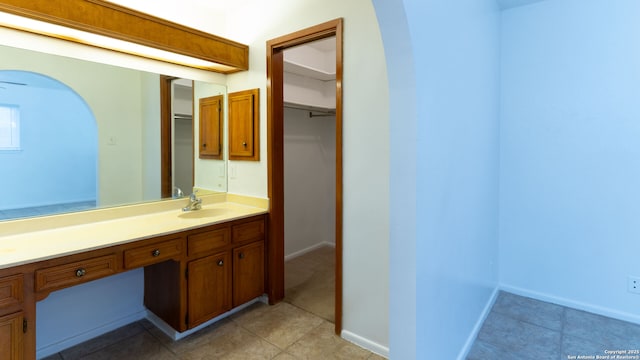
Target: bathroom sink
[202, 213]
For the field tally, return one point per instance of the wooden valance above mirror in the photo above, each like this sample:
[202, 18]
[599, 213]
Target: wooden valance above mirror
[118, 22]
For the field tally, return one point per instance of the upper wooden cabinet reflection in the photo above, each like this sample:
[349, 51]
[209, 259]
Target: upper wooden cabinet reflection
[244, 125]
[118, 22]
[211, 127]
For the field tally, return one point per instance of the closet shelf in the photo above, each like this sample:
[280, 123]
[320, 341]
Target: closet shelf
[314, 111]
[308, 71]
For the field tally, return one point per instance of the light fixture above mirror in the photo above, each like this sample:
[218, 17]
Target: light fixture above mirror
[106, 25]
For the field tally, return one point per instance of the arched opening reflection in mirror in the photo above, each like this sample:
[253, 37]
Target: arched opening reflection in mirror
[48, 147]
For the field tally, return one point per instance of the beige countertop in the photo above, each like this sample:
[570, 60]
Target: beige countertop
[68, 234]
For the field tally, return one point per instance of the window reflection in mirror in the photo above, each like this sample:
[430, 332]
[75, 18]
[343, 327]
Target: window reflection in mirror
[125, 105]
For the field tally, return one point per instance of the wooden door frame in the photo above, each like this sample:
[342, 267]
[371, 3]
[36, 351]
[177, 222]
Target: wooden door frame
[275, 156]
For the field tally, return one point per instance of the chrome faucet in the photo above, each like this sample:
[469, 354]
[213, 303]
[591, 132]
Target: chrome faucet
[194, 203]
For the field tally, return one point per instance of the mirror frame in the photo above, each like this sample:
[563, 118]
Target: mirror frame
[115, 21]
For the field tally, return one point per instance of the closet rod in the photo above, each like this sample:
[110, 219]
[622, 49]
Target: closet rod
[328, 113]
[182, 117]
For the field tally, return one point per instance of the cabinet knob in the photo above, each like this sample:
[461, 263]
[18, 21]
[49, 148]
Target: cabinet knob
[244, 143]
[204, 145]
[220, 262]
[241, 255]
[81, 272]
[155, 253]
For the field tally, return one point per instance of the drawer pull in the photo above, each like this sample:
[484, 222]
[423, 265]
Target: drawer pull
[241, 255]
[155, 253]
[220, 262]
[81, 272]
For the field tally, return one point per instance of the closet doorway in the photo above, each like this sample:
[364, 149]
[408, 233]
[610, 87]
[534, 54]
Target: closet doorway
[295, 122]
[176, 118]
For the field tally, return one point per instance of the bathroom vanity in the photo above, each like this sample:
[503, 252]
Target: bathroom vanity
[197, 265]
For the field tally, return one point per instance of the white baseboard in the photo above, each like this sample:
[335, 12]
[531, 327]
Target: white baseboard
[608, 312]
[365, 343]
[176, 335]
[80, 338]
[309, 249]
[476, 329]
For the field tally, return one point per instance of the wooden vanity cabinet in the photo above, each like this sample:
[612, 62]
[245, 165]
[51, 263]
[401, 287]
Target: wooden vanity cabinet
[209, 281]
[75, 273]
[190, 277]
[224, 268]
[248, 272]
[11, 336]
[12, 327]
[228, 270]
[153, 253]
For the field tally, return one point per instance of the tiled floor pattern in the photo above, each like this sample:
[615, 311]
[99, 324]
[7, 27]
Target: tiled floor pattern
[522, 328]
[294, 329]
[46, 210]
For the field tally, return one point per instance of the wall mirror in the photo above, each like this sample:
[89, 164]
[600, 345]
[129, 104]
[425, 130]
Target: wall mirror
[76, 135]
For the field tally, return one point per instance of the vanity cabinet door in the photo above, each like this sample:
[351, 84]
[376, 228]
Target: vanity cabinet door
[248, 272]
[209, 288]
[11, 337]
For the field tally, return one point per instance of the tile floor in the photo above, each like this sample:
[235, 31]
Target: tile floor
[310, 282]
[301, 328]
[297, 328]
[522, 328]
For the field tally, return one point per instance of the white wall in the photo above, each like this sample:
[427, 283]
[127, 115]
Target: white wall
[402, 180]
[309, 181]
[445, 171]
[570, 157]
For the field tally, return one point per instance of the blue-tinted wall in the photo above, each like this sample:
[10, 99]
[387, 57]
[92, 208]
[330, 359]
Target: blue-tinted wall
[58, 156]
[570, 153]
[450, 124]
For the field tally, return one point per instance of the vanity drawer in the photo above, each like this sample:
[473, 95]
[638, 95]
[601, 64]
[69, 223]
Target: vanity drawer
[11, 291]
[207, 242]
[61, 276]
[152, 254]
[250, 231]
